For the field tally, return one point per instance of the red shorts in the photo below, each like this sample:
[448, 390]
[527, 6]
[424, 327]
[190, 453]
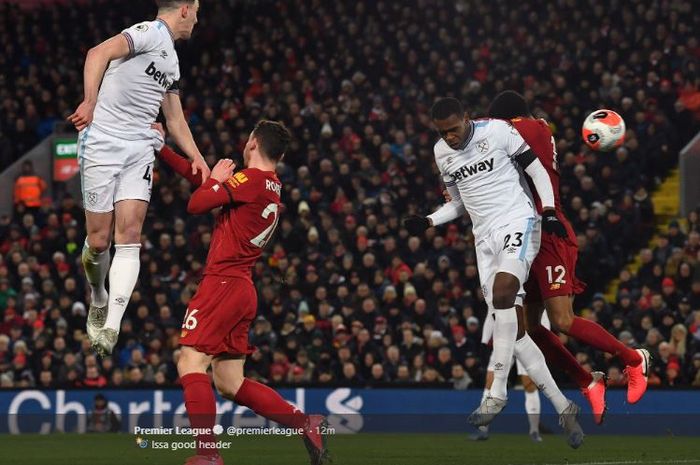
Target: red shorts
[553, 273]
[219, 316]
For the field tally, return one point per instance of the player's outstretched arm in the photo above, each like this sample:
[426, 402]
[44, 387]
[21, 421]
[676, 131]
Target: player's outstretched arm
[180, 131]
[452, 209]
[543, 185]
[96, 63]
[180, 165]
[214, 192]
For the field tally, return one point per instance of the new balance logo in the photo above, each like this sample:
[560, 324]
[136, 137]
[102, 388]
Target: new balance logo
[158, 76]
[470, 170]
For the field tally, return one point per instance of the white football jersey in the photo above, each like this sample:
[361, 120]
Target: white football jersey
[134, 87]
[485, 173]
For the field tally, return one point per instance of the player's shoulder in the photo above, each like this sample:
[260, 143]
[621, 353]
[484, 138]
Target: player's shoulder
[146, 31]
[143, 27]
[441, 149]
[262, 181]
[491, 125]
[531, 124]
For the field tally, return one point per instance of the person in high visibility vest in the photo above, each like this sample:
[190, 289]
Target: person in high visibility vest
[29, 187]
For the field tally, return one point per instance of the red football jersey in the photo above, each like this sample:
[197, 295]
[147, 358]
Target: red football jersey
[244, 226]
[539, 137]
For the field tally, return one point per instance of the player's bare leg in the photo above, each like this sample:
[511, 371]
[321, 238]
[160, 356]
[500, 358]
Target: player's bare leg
[95, 258]
[129, 216]
[592, 385]
[532, 407]
[265, 401]
[200, 403]
[594, 335]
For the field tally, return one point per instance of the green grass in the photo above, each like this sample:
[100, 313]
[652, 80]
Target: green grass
[361, 449]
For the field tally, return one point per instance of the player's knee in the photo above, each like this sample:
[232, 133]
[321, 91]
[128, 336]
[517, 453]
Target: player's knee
[528, 385]
[563, 320]
[504, 297]
[129, 235]
[98, 242]
[505, 290]
[227, 392]
[230, 389]
[191, 362]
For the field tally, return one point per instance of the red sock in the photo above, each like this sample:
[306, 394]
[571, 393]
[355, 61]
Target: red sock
[201, 408]
[267, 402]
[554, 351]
[594, 335]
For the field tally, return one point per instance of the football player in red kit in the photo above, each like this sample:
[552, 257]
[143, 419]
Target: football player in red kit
[215, 328]
[553, 282]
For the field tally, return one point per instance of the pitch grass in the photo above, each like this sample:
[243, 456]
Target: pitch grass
[360, 449]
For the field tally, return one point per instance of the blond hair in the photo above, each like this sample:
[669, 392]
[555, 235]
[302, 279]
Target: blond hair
[677, 344]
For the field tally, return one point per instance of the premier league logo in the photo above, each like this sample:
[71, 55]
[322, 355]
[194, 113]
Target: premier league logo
[482, 146]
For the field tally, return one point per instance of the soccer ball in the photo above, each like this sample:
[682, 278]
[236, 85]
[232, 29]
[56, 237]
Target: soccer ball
[603, 130]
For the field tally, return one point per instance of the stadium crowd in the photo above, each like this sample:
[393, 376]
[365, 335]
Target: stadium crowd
[345, 296]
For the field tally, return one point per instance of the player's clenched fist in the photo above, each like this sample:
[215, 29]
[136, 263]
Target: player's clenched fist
[82, 115]
[416, 225]
[223, 170]
[552, 225]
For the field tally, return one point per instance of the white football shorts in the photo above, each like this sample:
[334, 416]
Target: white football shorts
[509, 248]
[114, 169]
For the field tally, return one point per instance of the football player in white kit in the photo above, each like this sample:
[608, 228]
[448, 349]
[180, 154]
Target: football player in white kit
[128, 79]
[477, 161]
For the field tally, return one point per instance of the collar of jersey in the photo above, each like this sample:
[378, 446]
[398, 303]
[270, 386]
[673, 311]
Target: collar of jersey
[172, 36]
[471, 135]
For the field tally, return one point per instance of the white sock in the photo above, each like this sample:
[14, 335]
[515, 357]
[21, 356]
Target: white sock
[96, 265]
[484, 429]
[533, 360]
[532, 407]
[505, 330]
[122, 280]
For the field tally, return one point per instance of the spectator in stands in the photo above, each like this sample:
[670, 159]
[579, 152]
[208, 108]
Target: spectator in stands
[102, 419]
[29, 187]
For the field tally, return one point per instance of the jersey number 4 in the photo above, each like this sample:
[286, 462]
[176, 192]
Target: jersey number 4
[261, 239]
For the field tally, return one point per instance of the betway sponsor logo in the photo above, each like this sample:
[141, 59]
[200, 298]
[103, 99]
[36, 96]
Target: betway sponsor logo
[158, 76]
[470, 170]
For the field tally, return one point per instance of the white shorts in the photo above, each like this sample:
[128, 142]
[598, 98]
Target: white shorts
[113, 169]
[509, 248]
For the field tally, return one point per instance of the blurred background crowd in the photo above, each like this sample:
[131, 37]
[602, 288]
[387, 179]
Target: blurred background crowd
[345, 296]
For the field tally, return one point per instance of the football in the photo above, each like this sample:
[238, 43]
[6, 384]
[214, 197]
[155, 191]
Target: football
[603, 130]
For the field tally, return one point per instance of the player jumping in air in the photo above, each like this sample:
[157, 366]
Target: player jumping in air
[476, 161]
[553, 281]
[215, 330]
[128, 78]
